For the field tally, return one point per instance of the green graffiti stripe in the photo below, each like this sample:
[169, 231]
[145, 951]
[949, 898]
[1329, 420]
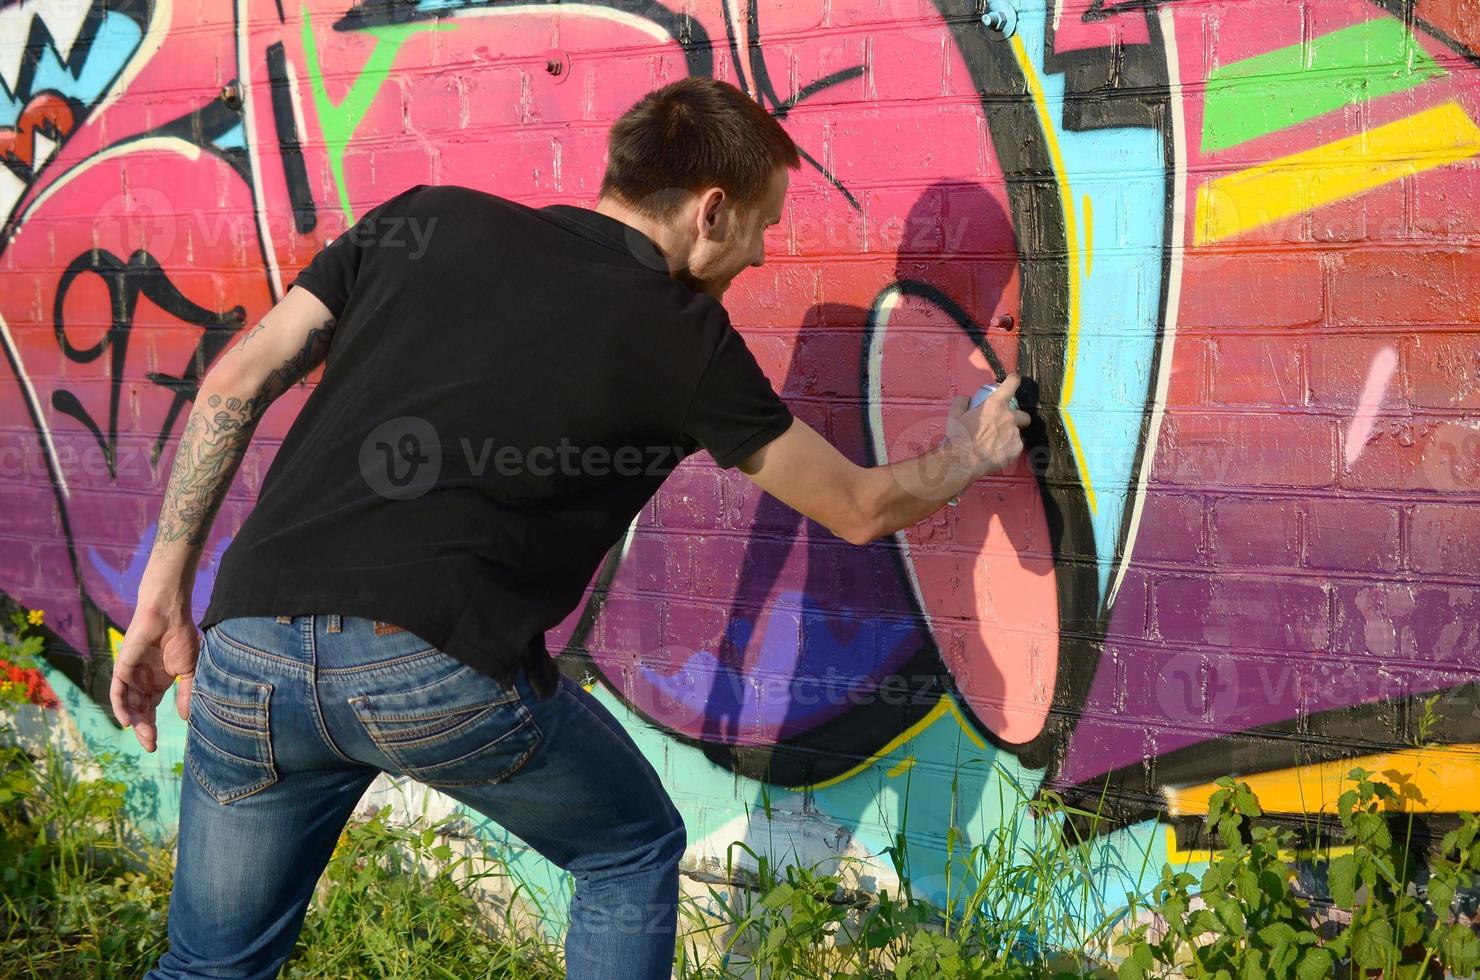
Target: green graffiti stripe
[338, 122]
[1268, 92]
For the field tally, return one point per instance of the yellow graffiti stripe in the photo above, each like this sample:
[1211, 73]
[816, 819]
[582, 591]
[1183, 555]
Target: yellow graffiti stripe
[1076, 258]
[1195, 856]
[946, 705]
[1445, 777]
[1089, 236]
[1273, 191]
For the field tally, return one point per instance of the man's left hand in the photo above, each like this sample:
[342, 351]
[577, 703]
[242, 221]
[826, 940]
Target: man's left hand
[157, 649]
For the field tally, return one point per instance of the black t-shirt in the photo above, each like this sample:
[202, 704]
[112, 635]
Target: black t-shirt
[505, 389]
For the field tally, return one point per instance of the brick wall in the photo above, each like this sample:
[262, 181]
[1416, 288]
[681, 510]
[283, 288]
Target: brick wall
[1236, 241]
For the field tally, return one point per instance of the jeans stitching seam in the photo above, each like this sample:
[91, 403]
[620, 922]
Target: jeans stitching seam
[526, 721]
[381, 739]
[259, 761]
[264, 704]
[515, 766]
[479, 711]
[248, 730]
[270, 774]
[394, 716]
[228, 702]
[258, 707]
[311, 646]
[215, 794]
[311, 649]
[250, 650]
[333, 746]
[267, 732]
[646, 763]
[264, 689]
[318, 720]
[395, 664]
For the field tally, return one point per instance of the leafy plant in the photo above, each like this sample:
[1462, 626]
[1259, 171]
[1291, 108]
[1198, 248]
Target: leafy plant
[1246, 922]
[83, 895]
[20, 663]
[1007, 899]
[390, 903]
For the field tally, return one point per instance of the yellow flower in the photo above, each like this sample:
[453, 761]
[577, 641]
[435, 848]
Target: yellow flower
[35, 616]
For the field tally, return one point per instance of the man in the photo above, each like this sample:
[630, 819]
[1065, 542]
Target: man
[502, 394]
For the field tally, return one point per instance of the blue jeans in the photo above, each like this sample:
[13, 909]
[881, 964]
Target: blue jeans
[291, 718]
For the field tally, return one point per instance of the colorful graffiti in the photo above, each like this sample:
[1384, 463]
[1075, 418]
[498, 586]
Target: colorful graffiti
[1229, 245]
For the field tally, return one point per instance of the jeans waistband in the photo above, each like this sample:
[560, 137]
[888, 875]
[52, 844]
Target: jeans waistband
[292, 638]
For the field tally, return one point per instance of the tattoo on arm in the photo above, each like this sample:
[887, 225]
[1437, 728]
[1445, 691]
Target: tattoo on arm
[215, 440]
[250, 334]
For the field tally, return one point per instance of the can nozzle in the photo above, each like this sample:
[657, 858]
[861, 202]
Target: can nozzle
[984, 391]
[977, 399]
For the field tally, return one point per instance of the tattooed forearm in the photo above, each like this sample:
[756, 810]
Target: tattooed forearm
[315, 346]
[216, 438]
[250, 334]
[284, 376]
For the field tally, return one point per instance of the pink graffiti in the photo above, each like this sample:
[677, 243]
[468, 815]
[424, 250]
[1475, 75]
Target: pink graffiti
[1287, 335]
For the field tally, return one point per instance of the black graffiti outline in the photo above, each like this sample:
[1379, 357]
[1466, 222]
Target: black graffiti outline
[1133, 790]
[39, 41]
[126, 281]
[766, 91]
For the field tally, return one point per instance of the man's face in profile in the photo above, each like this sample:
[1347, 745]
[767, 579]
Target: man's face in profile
[738, 243]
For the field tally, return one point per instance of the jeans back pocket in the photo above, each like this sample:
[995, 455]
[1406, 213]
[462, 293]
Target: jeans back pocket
[228, 744]
[462, 729]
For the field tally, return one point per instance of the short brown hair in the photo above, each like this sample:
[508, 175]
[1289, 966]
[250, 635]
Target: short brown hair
[695, 133]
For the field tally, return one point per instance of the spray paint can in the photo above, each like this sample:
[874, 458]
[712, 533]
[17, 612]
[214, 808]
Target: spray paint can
[977, 399]
[984, 391]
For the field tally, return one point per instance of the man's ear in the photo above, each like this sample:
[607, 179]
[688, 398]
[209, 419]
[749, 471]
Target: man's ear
[714, 214]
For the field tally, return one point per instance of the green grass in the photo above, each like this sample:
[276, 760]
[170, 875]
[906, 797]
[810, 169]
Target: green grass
[82, 893]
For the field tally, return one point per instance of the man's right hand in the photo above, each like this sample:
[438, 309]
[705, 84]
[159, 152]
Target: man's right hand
[862, 504]
[991, 433]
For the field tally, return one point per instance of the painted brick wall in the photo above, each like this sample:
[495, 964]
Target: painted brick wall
[1237, 242]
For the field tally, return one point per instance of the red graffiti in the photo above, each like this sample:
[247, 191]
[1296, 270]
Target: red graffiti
[47, 116]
